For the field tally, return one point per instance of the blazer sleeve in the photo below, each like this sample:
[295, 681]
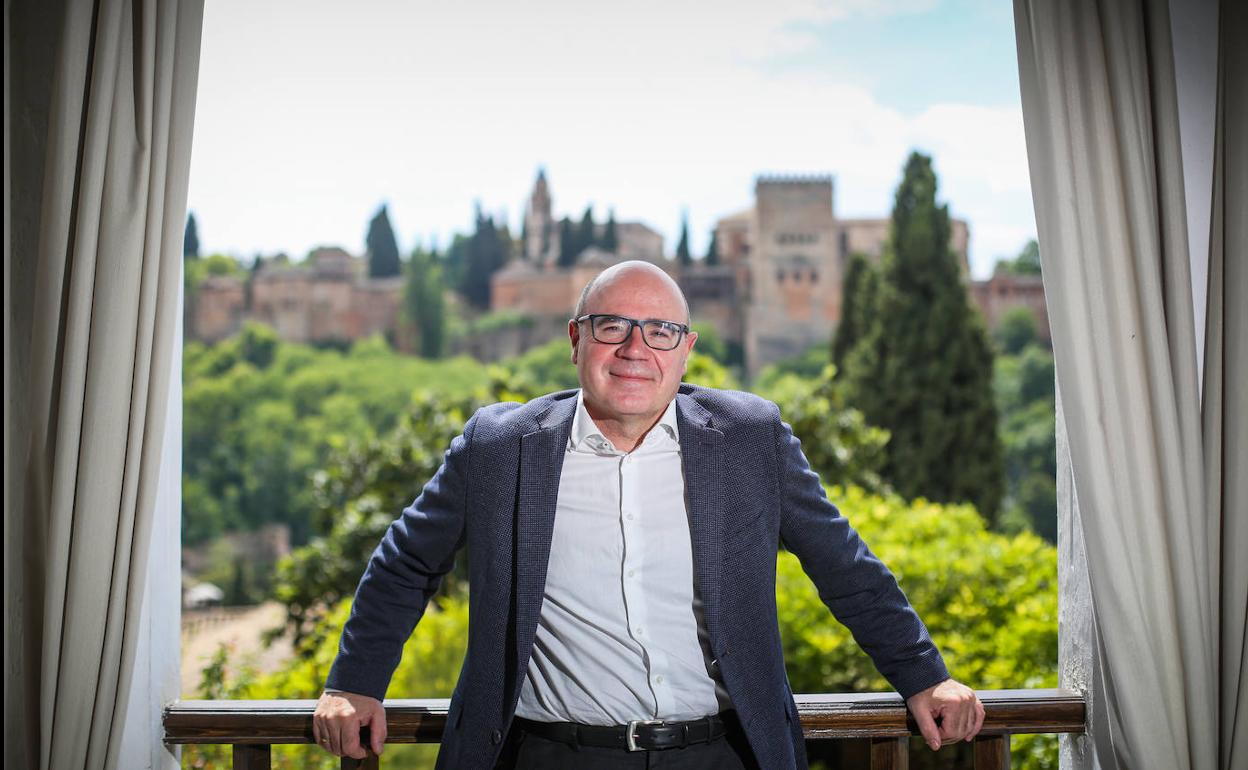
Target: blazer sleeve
[855, 585]
[403, 572]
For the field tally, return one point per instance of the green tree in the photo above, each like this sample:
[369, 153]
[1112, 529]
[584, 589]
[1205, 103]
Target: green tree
[1015, 331]
[1026, 263]
[712, 251]
[357, 495]
[262, 417]
[841, 447]
[1025, 396]
[424, 306]
[710, 344]
[383, 251]
[989, 600]
[568, 250]
[488, 249]
[807, 365]
[258, 344]
[190, 238]
[585, 232]
[545, 368]
[683, 255]
[455, 260]
[923, 369]
[194, 271]
[610, 240]
[858, 292]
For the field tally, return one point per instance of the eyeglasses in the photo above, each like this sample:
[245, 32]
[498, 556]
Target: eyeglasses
[615, 329]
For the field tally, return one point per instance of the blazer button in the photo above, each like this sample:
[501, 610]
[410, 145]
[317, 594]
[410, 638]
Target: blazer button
[496, 737]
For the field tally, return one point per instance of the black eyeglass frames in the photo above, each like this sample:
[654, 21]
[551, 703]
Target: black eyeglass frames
[615, 329]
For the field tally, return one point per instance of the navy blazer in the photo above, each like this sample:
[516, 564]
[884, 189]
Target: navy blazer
[749, 490]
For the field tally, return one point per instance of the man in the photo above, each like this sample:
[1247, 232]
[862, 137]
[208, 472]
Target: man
[622, 547]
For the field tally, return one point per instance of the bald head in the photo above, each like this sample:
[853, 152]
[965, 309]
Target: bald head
[630, 271]
[626, 384]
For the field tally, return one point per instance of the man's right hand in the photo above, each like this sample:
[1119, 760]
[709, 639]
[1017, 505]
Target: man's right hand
[337, 721]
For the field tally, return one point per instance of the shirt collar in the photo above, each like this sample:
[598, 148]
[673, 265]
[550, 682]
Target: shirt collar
[586, 435]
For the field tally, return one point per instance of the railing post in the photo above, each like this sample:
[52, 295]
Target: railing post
[992, 752]
[252, 756]
[370, 762]
[890, 753]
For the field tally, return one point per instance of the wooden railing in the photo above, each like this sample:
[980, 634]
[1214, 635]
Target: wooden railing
[881, 721]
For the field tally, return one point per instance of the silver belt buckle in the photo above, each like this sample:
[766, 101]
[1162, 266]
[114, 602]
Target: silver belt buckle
[630, 735]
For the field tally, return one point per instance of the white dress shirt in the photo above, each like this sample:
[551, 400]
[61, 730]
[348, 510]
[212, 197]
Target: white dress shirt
[621, 634]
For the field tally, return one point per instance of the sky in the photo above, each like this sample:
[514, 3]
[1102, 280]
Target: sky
[312, 114]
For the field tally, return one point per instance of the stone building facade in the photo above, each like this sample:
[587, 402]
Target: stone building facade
[1004, 291]
[327, 299]
[217, 308]
[776, 289]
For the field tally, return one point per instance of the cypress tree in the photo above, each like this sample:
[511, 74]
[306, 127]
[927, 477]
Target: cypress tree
[506, 244]
[585, 233]
[712, 251]
[383, 251]
[454, 261]
[423, 303]
[857, 307]
[923, 368]
[610, 241]
[486, 252]
[682, 247]
[190, 238]
[567, 244]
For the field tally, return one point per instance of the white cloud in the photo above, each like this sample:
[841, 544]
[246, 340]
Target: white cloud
[310, 115]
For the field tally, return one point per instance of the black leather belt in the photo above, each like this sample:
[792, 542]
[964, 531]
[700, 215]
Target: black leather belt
[638, 735]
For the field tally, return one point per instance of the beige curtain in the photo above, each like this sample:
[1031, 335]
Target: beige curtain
[1226, 380]
[107, 232]
[1159, 482]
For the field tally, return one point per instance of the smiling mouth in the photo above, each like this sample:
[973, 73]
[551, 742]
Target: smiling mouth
[631, 377]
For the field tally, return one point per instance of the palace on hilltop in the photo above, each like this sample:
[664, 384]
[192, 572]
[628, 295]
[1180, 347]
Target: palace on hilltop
[772, 290]
[774, 287]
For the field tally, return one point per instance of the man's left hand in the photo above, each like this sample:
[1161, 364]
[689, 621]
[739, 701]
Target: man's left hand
[955, 705]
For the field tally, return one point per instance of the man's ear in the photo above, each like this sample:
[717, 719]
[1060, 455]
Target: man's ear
[574, 334]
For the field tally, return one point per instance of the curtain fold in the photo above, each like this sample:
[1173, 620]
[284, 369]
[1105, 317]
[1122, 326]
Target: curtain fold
[105, 302]
[1225, 408]
[1158, 476]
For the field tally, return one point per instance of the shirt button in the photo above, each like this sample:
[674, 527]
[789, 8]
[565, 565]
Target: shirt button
[658, 679]
[630, 517]
[639, 631]
[630, 573]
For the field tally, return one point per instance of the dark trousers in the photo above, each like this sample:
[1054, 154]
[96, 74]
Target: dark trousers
[526, 751]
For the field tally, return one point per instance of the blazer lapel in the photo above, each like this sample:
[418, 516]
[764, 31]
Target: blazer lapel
[701, 449]
[541, 464]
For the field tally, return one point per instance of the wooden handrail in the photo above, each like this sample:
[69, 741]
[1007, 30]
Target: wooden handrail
[824, 716]
[881, 719]
[882, 715]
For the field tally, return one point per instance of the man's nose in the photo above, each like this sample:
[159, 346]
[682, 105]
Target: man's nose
[634, 345]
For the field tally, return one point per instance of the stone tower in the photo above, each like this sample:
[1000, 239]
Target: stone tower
[794, 291]
[538, 224]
